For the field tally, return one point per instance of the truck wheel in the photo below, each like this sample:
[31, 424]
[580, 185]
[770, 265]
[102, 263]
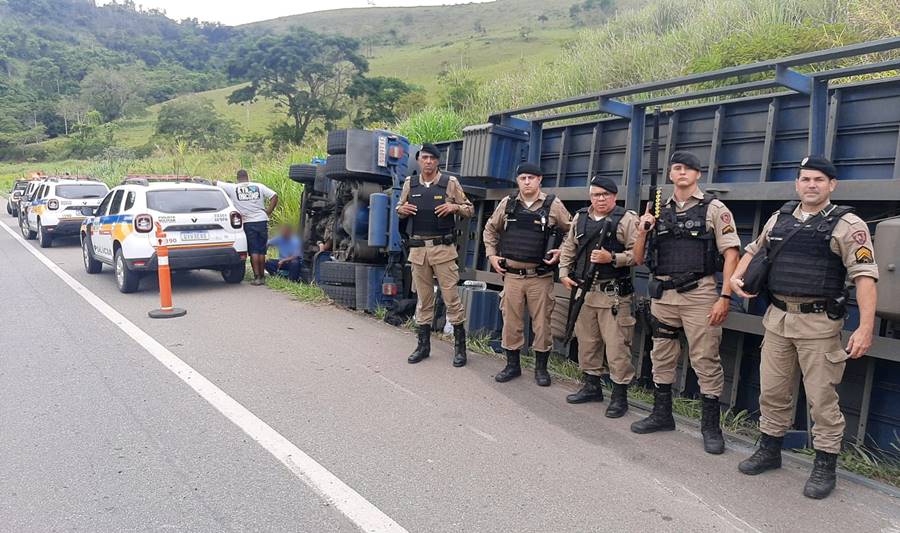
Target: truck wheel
[235, 274]
[91, 265]
[305, 174]
[44, 238]
[337, 142]
[126, 279]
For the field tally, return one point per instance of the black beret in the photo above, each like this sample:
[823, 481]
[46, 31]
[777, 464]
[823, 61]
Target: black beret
[529, 168]
[429, 148]
[605, 183]
[823, 165]
[687, 159]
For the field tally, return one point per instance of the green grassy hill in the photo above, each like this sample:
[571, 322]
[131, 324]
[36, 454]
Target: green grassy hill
[415, 44]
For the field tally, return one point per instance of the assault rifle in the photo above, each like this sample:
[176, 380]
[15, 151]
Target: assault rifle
[576, 298]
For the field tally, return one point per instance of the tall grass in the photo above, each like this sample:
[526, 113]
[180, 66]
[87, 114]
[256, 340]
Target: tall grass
[433, 124]
[270, 169]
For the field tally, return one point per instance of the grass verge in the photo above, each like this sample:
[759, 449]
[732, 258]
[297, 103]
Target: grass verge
[303, 292]
[873, 464]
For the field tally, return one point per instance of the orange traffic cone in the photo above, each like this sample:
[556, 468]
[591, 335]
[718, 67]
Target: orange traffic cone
[165, 280]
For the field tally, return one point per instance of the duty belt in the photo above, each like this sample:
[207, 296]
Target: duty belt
[820, 306]
[437, 241]
[682, 282]
[621, 287]
[530, 272]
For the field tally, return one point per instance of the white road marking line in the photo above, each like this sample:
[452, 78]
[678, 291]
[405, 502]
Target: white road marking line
[350, 503]
[482, 434]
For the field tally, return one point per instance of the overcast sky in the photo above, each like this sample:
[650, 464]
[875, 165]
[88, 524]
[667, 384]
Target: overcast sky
[233, 12]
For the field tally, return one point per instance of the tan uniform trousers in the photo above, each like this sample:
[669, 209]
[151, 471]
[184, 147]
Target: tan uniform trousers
[822, 363]
[598, 330]
[690, 311]
[446, 271]
[535, 293]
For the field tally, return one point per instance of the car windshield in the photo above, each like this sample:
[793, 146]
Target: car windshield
[20, 186]
[187, 200]
[81, 191]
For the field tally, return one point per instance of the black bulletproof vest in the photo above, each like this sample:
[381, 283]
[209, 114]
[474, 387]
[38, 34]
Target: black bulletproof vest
[585, 229]
[806, 265]
[425, 222]
[682, 242]
[525, 236]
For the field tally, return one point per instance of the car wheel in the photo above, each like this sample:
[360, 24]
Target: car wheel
[235, 274]
[44, 238]
[126, 279]
[26, 231]
[9, 210]
[91, 265]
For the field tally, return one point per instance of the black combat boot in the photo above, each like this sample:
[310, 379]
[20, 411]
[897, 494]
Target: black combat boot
[823, 477]
[513, 367]
[541, 376]
[591, 391]
[423, 349]
[660, 418]
[710, 427]
[766, 457]
[618, 402]
[459, 345]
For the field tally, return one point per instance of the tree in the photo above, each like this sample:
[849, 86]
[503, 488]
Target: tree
[92, 137]
[305, 73]
[72, 111]
[112, 92]
[376, 99]
[195, 121]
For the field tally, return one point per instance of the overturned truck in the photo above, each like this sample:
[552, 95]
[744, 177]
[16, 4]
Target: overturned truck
[750, 135]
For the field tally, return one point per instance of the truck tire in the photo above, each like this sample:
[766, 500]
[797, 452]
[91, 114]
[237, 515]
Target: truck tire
[337, 142]
[338, 273]
[344, 296]
[305, 174]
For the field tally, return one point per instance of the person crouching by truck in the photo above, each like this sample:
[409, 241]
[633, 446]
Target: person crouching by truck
[598, 250]
[290, 250]
[521, 242]
[431, 200]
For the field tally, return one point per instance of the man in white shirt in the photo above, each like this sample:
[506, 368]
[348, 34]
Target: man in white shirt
[250, 200]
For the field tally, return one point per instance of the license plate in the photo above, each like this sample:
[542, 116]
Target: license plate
[189, 236]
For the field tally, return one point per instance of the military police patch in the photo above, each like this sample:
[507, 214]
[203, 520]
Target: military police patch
[860, 237]
[727, 229]
[864, 255]
[726, 218]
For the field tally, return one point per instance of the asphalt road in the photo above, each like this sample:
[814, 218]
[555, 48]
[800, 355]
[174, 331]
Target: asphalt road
[97, 435]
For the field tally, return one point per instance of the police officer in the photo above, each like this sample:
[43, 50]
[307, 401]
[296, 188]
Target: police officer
[823, 246]
[605, 320]
[519, 242]
[686, 248]
[432, 200]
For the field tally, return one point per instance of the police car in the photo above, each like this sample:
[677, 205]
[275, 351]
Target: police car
[15, 195]
[203, 229]
[57, 206]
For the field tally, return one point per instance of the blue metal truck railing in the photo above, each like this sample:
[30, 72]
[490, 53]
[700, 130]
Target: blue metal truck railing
[750, 147]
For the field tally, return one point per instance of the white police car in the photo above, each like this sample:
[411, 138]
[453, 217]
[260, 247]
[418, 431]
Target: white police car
[58, 205]
[203, 229]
